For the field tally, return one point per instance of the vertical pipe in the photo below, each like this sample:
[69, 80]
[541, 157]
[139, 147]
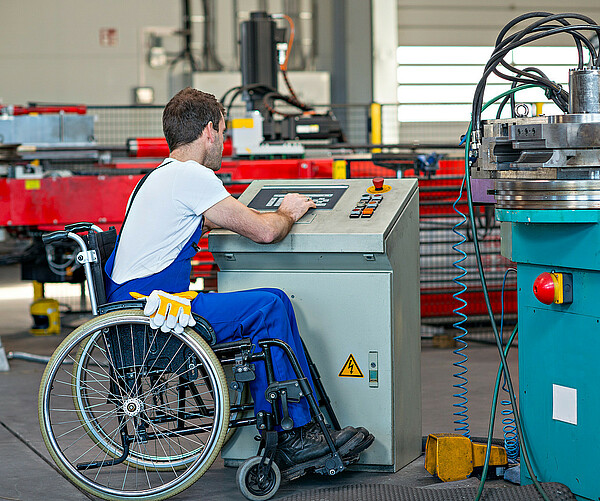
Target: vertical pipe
[539, 109]
[235, 31]
[187, 35]
[375, 132]
[61, 129]
[338, 170]
[38, 290]
[339, 70]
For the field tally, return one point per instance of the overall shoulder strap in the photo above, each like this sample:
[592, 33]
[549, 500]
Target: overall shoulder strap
[136, 189]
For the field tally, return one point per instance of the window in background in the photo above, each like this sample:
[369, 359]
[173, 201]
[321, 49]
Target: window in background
[436, 84]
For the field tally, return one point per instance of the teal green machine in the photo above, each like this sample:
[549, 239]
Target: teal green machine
[559, 344]
[543, 174]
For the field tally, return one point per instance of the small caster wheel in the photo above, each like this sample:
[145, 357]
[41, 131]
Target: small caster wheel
[254, 488]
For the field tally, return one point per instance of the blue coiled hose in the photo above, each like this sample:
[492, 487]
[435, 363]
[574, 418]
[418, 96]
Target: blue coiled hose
[511, 439]
[503, 364]
[462, 416]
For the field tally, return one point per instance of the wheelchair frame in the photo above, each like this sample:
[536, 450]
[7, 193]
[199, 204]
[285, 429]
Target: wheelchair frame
[128, 386]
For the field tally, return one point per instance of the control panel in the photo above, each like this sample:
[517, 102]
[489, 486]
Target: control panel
[270, 197]
[366, 205]
[350, 266]
[352, 215]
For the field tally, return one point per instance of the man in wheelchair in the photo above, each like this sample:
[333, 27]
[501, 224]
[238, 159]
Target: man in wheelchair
[170, 210]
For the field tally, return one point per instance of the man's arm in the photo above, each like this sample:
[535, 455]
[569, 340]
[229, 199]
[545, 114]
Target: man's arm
[208, 225]
[263, 228]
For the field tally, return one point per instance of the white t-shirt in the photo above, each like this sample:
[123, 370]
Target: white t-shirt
[165, 213]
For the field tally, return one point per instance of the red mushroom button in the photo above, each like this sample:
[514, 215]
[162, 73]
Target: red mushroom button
[544, 288]
[378, 183]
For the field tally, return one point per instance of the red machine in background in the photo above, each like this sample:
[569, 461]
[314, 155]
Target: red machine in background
[33, 204]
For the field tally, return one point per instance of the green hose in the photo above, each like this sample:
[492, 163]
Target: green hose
[486, 463]
[503, 363]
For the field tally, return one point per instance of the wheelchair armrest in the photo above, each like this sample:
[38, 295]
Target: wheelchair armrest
[205, 330]
[79, 227]
[121, 305]
[49, 238]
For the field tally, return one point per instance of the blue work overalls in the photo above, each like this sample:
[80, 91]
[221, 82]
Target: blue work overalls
[256, 313]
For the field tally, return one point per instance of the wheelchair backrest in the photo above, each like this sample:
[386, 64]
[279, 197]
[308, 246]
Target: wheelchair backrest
[103, 244]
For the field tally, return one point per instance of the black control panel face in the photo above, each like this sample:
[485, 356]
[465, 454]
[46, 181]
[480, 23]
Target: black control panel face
[270, 197]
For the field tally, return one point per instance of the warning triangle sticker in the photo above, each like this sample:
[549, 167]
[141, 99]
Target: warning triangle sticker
[350, 368]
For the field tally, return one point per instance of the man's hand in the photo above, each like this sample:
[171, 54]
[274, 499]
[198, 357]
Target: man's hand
[260, 227]
[295, 206]
[168, 311]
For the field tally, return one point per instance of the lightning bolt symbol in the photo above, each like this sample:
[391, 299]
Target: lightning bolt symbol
[351, 366]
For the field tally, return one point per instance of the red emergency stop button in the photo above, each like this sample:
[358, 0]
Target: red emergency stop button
[378, 186]
[553, 287]
[544, 288]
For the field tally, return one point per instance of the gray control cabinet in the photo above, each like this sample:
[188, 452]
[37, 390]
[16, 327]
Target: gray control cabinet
[354, 284]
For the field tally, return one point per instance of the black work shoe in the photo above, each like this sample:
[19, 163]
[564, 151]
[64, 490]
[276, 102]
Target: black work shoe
[306, 449]
[299, 446]
[367, 440]
[339, 437]
[349, 441]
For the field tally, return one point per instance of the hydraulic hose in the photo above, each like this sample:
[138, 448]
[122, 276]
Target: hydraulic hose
[504, 364]
[486, 463]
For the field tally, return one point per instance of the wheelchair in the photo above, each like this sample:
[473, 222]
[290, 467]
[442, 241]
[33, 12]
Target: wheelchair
[129, 412]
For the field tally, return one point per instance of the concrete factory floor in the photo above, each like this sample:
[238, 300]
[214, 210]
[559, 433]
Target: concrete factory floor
[27, 472]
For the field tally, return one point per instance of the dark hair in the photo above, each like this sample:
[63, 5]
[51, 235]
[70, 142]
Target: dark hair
[187, 114]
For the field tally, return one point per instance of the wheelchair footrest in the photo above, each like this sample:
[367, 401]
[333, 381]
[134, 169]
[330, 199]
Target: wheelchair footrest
[330, 464]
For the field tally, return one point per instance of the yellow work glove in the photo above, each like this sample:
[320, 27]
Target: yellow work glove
[168, 311]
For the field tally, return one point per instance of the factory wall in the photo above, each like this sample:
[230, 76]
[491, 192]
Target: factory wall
[95, 52]
[63, 51]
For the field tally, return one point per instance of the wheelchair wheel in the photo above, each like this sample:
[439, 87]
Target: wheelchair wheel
[130, 412]
[82, 388]
[85, 411]
[253, 487]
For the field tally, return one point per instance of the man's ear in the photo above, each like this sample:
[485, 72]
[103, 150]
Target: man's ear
[209, 130]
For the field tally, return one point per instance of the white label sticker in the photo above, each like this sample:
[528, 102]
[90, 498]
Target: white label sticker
[307, 129]
[564, 404]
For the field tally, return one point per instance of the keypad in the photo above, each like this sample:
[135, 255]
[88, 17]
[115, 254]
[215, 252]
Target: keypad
[366, 206]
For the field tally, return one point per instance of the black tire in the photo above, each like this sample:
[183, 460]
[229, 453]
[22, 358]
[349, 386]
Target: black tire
[249, 484]
[173, 405]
